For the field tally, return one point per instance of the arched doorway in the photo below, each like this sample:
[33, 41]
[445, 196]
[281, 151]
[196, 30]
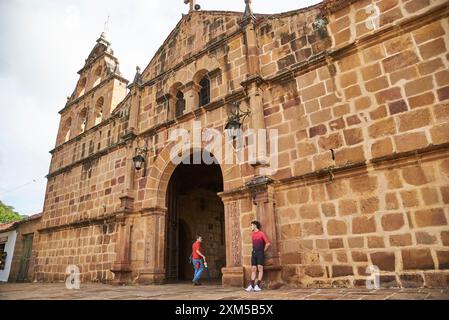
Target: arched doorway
[194, 208]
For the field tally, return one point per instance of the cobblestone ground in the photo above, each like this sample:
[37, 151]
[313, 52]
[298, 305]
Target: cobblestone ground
[57, 291]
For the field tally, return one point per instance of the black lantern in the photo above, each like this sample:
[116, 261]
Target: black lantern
[235, 120]
[233, 127]
[140, 159]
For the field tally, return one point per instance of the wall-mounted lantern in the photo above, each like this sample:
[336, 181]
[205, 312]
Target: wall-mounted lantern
[236, 117]
[140, 159]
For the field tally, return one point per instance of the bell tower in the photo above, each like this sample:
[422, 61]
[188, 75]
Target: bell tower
[100, 88]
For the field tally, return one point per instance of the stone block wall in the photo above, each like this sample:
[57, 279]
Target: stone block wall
[393, 215]
[92, 249]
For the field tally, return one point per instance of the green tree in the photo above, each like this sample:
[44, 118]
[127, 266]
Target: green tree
[7, 214]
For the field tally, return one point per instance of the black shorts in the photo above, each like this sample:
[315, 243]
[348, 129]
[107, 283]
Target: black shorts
[257, 258]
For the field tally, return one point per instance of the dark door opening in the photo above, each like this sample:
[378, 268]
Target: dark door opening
[195, 208]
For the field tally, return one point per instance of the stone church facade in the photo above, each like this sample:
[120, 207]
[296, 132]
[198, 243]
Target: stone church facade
[358, 92]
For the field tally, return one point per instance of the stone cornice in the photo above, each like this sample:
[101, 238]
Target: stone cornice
[91, 157]
[254, 79]
[153, 211]
[81, 223]
[332, 6]
[404, 158]
[396, 159]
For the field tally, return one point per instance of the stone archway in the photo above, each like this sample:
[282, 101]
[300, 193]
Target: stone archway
[156, 212]
[194, 208]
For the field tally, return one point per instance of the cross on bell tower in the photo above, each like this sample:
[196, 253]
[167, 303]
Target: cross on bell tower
[192, 4]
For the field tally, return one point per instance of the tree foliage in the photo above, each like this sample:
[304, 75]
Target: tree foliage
[7, 214]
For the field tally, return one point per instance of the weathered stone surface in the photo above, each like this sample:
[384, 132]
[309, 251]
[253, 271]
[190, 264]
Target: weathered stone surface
[358, 256]
[392, 222]
[431, 217]
[425, 238]
[417, 259]
[314, 271]
[291, 231]
[336, 227]
[363, 224]
[347, 207]
[400, 240]
[385, 261]
[411, 280]
[443, 259]
[342, 271]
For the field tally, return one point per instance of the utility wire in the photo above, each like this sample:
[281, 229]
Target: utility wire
[20, 187]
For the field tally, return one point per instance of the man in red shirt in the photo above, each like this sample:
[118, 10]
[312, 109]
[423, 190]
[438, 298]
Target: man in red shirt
[198, 264]
[260, 246]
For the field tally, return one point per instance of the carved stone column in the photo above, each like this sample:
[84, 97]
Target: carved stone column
[153, 271]
[122, 266]
[233, 273]
[263, 198]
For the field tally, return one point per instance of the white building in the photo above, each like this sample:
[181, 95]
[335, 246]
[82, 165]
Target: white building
[8, 235]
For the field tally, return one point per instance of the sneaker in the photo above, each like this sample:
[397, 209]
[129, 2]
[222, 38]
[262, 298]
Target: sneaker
[257, 288]
[249, 289]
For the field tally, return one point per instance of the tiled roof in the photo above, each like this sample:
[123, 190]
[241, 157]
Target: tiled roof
[4, 227]
[13, 225]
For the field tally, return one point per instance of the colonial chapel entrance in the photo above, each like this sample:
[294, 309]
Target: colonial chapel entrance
[195, 208]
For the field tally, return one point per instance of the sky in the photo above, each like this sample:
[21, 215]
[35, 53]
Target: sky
[43, 43]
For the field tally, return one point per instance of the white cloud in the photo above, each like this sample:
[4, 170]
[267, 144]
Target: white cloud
[43, 43]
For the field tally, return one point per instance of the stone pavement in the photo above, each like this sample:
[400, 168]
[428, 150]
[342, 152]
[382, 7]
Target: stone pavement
[184, 291]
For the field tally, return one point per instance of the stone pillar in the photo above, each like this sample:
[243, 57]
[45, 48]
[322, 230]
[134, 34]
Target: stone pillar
[263, 198]
[252, 49]
[254, 81]
[233, 273]
[191, 95]
[264, 201]
[153, 271]
[171, 107]
[122, 265]
[134, 109]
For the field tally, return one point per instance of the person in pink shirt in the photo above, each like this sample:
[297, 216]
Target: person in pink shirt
[260, 246]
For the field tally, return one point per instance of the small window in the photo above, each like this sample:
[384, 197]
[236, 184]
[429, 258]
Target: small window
[66, 131]
[3, 256]
[180, 104]
[83, 120]
[97, 75]
[82, 86]
[99, 110]
[204, 91]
